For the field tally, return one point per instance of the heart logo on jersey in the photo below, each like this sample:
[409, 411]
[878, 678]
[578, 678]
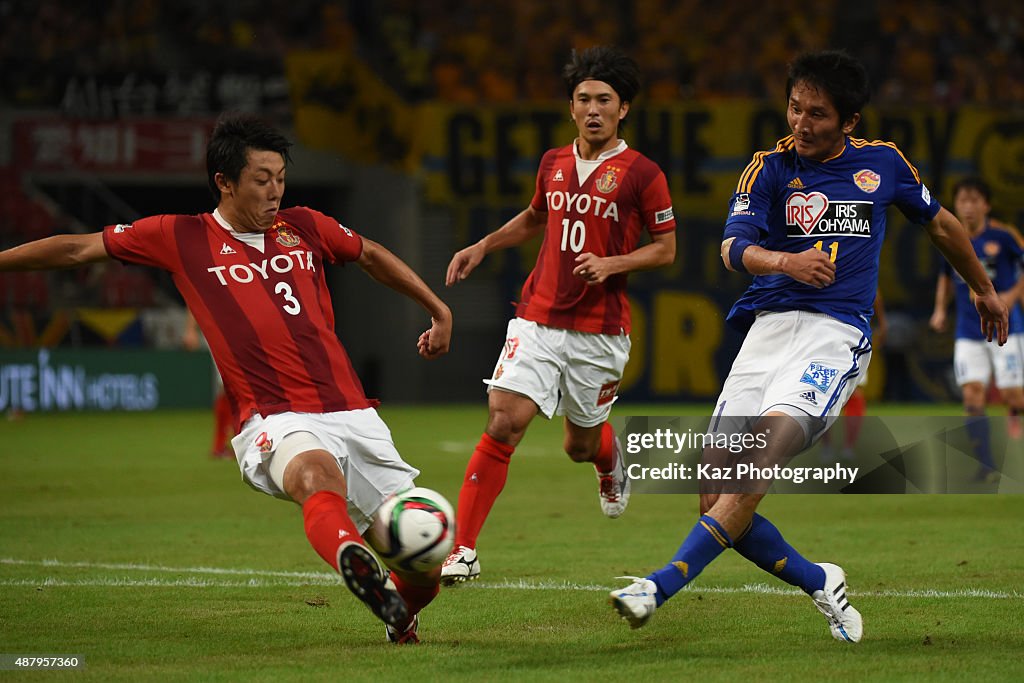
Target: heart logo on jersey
[805, 210]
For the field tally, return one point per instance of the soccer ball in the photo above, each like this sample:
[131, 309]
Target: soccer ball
[413, 530]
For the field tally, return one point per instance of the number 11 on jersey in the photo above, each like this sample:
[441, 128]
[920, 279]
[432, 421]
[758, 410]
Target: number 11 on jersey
[833, 249]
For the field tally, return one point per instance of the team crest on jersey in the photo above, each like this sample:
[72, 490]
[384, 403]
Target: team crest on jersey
[608, 180]
[812, 214]
[867, 180]
[557, 177]
[819, 376]
[991, 248]
[287, 238]
[264, 443]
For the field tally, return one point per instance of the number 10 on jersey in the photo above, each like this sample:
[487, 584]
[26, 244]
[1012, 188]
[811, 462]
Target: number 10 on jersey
[574, 236]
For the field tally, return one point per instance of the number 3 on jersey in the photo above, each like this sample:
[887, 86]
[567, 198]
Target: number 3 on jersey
[292, 307]
[573, 237]
[833, 249]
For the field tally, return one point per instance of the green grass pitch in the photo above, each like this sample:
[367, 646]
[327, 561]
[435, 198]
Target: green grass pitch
[120, 541]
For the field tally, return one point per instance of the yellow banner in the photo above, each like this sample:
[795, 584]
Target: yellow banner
[340, 105]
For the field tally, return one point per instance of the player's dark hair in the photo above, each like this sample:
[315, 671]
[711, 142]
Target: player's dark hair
[603, 63]
[233, 136]
[837, 74]
[973, 183]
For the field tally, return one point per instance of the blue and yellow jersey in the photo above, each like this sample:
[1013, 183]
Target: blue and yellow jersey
[999, 250]
[838, 206]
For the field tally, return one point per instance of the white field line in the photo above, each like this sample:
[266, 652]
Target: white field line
[264, 578]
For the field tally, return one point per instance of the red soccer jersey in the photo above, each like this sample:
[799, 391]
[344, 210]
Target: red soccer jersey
[267, 314]
[604, 215]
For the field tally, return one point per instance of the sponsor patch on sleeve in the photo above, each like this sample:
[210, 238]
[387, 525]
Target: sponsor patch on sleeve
[926, 196]
[663, 216]
[347, 231]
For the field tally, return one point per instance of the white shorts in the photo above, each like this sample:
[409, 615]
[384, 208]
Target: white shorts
[798, 363]
[359, 441]
[976, 360]
[575, 374]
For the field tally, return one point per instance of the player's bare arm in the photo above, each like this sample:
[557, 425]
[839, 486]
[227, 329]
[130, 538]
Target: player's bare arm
[526, 225]
[950, 238]
[59, 251]
[389, 270]
[811, 267]
[594, 270]
[943, 292]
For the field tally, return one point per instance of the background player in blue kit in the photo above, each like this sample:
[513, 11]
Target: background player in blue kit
[975, 362]
[807, 220]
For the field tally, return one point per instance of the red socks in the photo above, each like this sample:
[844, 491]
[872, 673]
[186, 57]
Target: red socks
[485, 478]
[328, 525]
[605, 460]
[416, 597]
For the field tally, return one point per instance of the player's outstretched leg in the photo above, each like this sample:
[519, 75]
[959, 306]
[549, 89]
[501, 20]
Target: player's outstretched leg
[763, 544]
[417, 590]
[613, 484]
[369, 582]
[485, 478]
[336, 539]
[636, 603]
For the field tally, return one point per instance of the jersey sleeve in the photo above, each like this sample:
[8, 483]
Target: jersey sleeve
[341, 244]
[912, 197]
[752, 200]
[147, 241]
[540, 200]
[656, 204]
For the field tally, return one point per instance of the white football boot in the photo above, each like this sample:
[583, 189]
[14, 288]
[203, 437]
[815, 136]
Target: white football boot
[462, 565]
[613, 487]
[635, 603]
[843, 620]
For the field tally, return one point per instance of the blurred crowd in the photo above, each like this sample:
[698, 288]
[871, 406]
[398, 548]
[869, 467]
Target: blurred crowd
[476, 51]
[193, 57]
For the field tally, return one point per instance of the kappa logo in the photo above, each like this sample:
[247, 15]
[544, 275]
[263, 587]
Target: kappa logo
[867, 180]
[810, 397]
[804, 210]
[796, 184]
[558, 177]
[819, 376]
[226, 249]
[608, 180]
